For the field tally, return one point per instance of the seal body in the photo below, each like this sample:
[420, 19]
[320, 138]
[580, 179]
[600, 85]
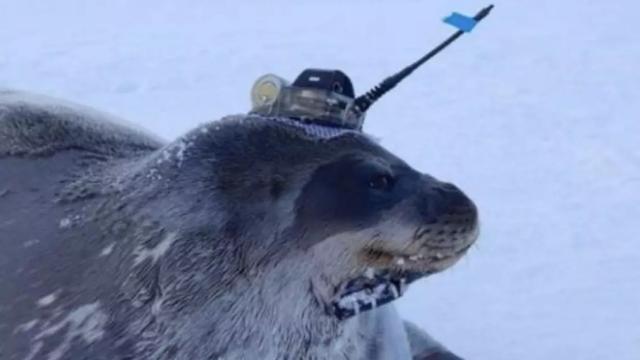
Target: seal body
[244, 239]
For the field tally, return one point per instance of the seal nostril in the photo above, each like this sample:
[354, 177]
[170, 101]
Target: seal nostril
[454, 201]
[445, 206]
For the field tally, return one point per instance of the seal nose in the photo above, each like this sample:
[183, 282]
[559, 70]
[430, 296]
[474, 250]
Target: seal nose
[455, 201]
[447, 200]
[448, 223]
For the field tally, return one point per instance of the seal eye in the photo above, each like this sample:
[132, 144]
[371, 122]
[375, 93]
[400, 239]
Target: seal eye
[380, 182]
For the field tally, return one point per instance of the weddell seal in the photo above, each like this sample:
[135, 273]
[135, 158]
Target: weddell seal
[246, 238]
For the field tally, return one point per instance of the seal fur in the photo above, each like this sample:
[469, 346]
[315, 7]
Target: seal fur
[229, 242]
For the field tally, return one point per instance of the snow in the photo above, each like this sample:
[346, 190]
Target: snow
[47, 300]
[86, 321]
[25, 327]
[68, 222]
[356, 299]
[65, 223]
[141, 253]
[535, 114]
[107, 250]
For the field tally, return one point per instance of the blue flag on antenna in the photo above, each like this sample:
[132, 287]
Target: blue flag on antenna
[461, 22]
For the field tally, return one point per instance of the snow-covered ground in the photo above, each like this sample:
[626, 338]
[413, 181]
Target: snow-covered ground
[536, 115]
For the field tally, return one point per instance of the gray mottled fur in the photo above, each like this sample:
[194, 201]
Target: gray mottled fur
[118, 246]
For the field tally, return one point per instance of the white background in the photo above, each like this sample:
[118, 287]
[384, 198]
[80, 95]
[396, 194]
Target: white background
[536, 115]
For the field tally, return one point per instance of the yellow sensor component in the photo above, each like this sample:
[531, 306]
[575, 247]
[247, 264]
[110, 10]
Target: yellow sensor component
[266, 89]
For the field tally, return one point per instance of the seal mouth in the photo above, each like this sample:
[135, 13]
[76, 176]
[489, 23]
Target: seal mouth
[366, 292]
[382, 285]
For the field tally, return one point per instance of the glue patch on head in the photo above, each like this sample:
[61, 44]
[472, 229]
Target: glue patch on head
[315, 130]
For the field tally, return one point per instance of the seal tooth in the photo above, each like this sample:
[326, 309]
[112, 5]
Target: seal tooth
[395, 291]
[403, 285]
[369, 273]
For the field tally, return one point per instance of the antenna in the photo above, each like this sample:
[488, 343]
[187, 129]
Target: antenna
[363, 102]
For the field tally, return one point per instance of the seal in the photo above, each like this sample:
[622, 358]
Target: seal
[246, 238]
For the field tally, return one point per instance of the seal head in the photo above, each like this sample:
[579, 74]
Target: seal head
[384, 223]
